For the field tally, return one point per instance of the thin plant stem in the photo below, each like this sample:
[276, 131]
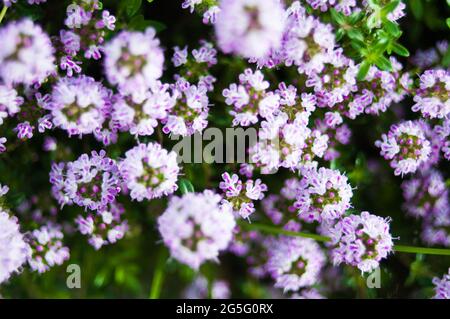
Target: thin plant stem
[3, 13]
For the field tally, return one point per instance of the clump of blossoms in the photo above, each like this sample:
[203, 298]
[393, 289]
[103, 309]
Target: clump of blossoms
[430, 57]
[336, 80]
[79, 105]
[435, 228]
[359, 240]
[287, 144]
[432, 98]
[133, 60]
[250, 28]
[305, 43]
[91, 182]
[26, 55]
[208, 8]
[322, 194]
[47, 248]
[196, 227]
[338, 133]
[295, 263]
[240, 196]
[195, 67]
[10, 102]
[149, 171]
[140, 117]
[442, 287]
[250, 99]
[198, 289]
[88, 26]
[405, 146]
[14, 251]
[103, 227]
[189, 113]
[425, 194]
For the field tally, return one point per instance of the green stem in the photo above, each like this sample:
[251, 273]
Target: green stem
[158, 276]
[2, 13]
[397, 248]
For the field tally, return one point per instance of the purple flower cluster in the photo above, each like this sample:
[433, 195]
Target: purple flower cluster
[149, 171]
[295, 263]
[322, 194]
[442, 287]
[47, 248]
[240, 196]
[91, 182]
[14, 251]
[103, 227]
[359, 240]
[196, 227]
[406, 146]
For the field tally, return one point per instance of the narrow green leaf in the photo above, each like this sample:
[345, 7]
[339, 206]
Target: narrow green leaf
[400, 49]
[448, 22]
[363, 69]
[383, 63]
[185, 186]
[392, 28]
[338, 17]
[389, 7]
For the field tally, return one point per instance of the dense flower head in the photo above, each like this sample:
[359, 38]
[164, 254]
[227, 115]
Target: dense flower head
[335, 80]
[322, 194]
[79, 105]
[435, 228]
[103, 227]
[47, 248]
[405, 146]
[10, 102]
[430, 57]
[283, 143]
[432, 98]
[295, 263]
[140, 117]
[133, 61]
[149, 171]
[26, 54]
[189, 113]
[241, 196]
[442, 286]
[195, 227]
[360, 240]
[14, 251]
[306, 41]
[425, 194]
[91, 181]
[250, 28]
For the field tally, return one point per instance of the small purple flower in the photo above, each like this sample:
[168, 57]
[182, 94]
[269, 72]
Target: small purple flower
[442, 286]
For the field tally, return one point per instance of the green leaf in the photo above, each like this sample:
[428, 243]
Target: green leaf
[185, 186]
[132, 7]
[392, 28]
[417, 8]
[363, 69]
[338, 17]
[448, 22]
[383, 63]
[355, 34]
[150, 1]
[389, 7]
[400, 49]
